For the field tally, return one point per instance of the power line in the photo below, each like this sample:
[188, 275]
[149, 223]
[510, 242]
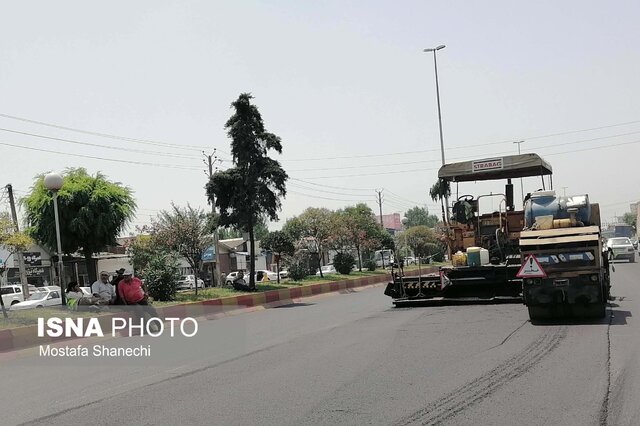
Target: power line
[333, 187]
[140, 163]
[594, 148]
[398, 196]
[461, 158]
[323, 198]
[140, 151]
[107, 135]
[372, 174]
[582, 130]
[325, 191]
[469, 146]
[433, 169]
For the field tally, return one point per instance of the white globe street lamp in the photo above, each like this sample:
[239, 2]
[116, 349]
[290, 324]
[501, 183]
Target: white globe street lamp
[435, 64]
[53, 182]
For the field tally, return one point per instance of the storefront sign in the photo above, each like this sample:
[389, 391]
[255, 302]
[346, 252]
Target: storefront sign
[32, 258]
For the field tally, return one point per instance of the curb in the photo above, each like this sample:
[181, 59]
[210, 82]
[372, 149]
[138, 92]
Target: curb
[24, 337]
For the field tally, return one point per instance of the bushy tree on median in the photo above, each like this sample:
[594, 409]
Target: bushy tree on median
[253, 187]
[93, 211]
[280, 244]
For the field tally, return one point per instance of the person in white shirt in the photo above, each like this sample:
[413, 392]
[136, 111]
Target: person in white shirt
[103, 288]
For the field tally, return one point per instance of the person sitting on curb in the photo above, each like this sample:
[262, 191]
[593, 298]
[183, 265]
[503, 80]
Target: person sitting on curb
[115, 281]
[103, 289]
[133, 292]
[239, 284]
[76, 298]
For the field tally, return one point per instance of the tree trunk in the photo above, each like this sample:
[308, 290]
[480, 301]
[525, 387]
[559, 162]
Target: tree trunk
[278, 267]
[252, 260]
[91, 269]
[320, 259]
[359, 258]
[195, 275]
[4, 311]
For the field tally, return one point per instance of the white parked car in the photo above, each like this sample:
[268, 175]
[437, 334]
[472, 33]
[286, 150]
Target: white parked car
[230, 277]
[327, 269]
[621, 248]
[12, 294]
[188, 282]
[39, 300]
[284, 274]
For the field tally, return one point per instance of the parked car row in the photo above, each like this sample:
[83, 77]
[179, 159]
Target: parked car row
[260, 274]
[40, 297]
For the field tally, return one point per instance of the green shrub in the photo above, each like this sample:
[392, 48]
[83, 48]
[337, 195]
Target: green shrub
[343, 262]
[299, 268]
[161, 276]
[370, 265]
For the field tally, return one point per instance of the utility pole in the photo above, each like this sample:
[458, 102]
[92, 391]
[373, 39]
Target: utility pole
[381, 222]
[380, 204]
[23, 271]
[210, 161]
[521, 187]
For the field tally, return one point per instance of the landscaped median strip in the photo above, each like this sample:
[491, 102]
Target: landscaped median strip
[27, 336]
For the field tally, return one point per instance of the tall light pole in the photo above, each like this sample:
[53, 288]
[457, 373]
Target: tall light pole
[521, 187]
[435, 65]
[53, 182]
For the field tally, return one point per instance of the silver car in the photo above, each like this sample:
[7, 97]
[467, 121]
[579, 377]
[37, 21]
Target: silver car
[621, 248]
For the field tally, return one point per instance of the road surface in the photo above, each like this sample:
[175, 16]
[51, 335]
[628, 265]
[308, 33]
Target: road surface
[353, 359]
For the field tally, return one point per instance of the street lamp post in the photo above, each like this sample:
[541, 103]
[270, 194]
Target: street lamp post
[435, 65]
[53, 182]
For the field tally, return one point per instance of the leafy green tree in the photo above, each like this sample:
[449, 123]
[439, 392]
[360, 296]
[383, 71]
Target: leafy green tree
[280, 244]
[93, 212]
[183, 231]
[140, 251]
[13, 241]
[386, 240]
[316, 229]
[362, 230]
[417, 216]
[295, 228]
[252, 189]
[421, 240]
[630, 218]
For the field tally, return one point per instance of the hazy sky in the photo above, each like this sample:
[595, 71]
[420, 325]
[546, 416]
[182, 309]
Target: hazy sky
[345, 84]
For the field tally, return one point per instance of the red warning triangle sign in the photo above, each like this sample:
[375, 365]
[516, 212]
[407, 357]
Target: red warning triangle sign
[531, 269]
